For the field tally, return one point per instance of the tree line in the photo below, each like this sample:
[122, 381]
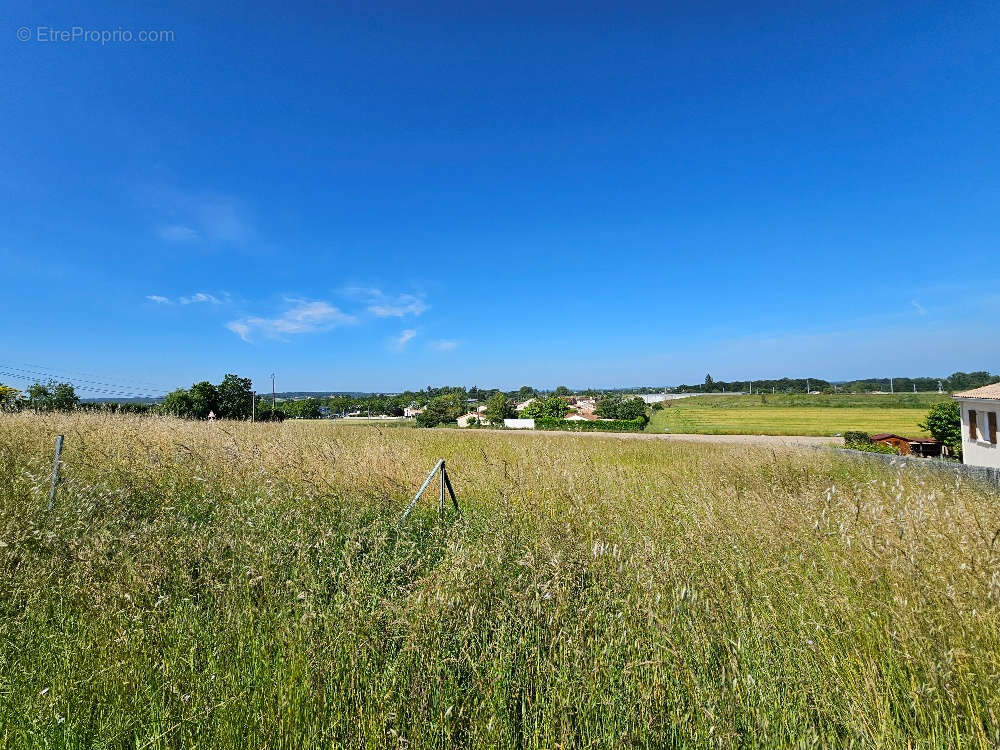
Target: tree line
[50, 396]
[957, 381]
[233, 398]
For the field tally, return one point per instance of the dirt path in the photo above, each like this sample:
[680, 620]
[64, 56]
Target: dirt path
[772, 440]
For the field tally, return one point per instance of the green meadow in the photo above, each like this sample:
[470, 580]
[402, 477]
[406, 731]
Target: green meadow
[236, 585]
[797, 414]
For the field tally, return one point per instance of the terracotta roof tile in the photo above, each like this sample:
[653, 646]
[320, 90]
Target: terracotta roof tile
[987, 391]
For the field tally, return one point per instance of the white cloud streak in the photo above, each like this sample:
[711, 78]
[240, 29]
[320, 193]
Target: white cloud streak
[400, 342]
[444, 345]
[199, 297]
[194, 299]
[304, 316]
[383, 305]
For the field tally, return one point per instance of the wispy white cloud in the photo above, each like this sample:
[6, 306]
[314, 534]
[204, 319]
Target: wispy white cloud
[383, 305]
[303, 316]
[401, 306]
[444, 345]
[194, 299]
[400, 341]
[198, 297]
[918, 307]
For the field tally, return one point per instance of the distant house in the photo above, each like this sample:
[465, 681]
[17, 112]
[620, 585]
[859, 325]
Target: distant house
[979, 408]
[412, 411]
[923, 447]
[465, 419]
[519, 424]
[520, 407]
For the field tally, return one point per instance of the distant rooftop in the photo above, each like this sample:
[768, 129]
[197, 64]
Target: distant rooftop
[986, 391]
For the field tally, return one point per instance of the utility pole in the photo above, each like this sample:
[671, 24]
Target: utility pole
[891, 390]
[272, 394]
[253, 406]
[751, 387]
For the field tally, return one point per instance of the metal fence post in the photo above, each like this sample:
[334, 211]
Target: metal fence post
[420, 491]
[441, 498]
[451, 490]
[445, 486]
[55, 472]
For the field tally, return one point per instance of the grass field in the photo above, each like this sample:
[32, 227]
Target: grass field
[235, 585]
[796, 414]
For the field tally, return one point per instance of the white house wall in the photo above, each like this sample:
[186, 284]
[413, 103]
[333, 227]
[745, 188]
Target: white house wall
[979, 452]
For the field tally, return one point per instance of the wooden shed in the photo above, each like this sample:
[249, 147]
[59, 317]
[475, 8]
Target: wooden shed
[923, 447]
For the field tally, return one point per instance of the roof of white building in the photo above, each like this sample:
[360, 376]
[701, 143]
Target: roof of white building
[986, 391]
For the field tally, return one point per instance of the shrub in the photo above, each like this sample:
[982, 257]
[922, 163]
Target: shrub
[444, 409]
[944, 423]
[862, 441]
[607, 425]
[499, 408]
[552, 407]
[857, 440]
[874, 447]
[616, 407]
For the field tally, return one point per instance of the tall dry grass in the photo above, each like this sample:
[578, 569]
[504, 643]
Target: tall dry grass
[224, 585]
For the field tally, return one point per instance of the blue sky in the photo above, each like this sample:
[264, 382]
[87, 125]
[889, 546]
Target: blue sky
[378, 196]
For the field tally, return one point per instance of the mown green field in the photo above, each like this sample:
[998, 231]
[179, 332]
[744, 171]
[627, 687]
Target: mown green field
[248, 586]
[796, 414]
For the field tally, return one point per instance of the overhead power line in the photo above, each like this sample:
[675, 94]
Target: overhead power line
[107, 389]
[55, 372]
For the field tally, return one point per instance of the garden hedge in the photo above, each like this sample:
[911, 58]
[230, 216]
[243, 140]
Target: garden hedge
[608, 425]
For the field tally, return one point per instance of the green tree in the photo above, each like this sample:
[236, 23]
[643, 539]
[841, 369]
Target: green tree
[944, 423]
[302, 408]
[499, 408]
[39, 397]
[64, 397]
[235, 396]
[526, 392]
[442, 410]
[178, 403]
[204, 399]
[616, 407]
[552, 407]
[963, 381]
[10, 398]
[52, 396]
[709, 384]
[562, 391]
